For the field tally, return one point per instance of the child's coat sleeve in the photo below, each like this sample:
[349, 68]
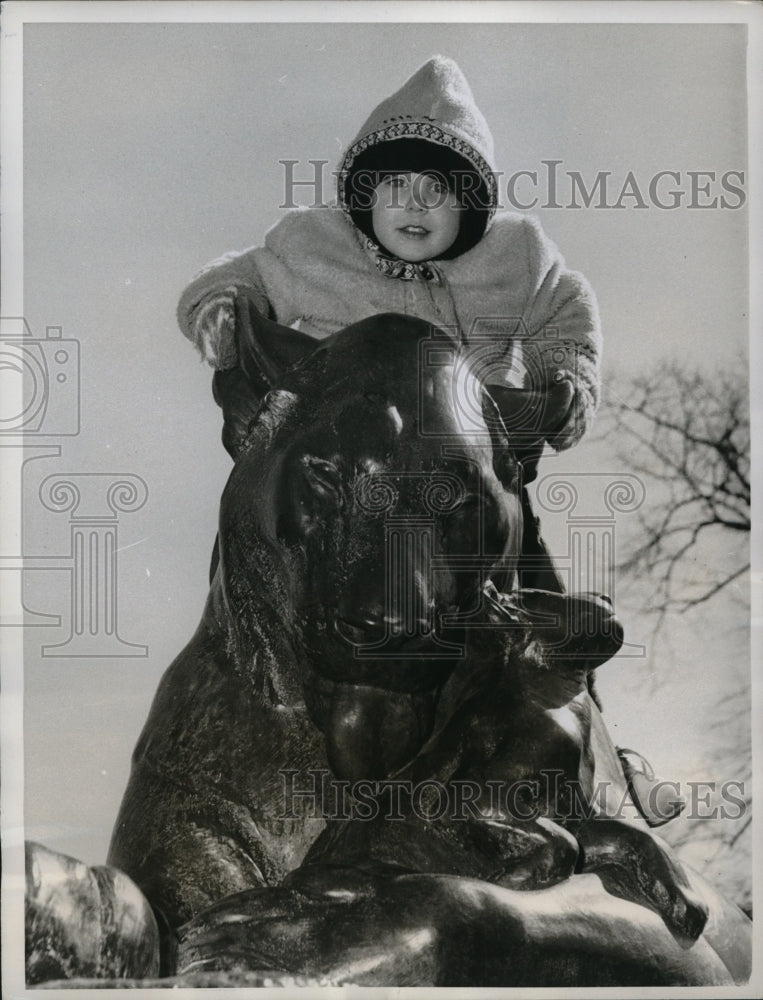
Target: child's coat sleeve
[310, 264]
[562, 323]
[514, 289]
[233, 270]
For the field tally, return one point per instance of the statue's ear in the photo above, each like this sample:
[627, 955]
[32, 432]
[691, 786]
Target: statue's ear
[505, 464]
[265, 351]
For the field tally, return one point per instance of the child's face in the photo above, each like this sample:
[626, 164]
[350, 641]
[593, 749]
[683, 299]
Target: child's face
[415, 216]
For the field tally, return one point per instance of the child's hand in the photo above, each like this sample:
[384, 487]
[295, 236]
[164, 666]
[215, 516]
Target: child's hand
[535, 414]
[214, 329]
[559, 394]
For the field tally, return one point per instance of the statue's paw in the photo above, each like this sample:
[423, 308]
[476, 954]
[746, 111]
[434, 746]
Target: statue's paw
[532, 855]
[687, 917]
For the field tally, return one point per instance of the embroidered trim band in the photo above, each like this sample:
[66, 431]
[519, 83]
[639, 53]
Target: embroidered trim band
[419, 130]
[405, 270]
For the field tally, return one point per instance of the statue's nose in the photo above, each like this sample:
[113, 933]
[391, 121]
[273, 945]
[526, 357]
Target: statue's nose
[394, 599]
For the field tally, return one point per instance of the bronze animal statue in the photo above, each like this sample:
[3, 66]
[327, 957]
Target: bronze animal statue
[352, 630]
[307, 657]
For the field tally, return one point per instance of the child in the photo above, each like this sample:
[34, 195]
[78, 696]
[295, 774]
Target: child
[416, 231]
[490, 277]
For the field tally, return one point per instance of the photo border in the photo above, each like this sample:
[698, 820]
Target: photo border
[15, 15]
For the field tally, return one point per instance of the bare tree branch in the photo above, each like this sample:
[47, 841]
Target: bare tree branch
[688, 437]
[691, 603]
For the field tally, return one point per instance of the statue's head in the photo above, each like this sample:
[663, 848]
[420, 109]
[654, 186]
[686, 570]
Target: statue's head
[370, 503]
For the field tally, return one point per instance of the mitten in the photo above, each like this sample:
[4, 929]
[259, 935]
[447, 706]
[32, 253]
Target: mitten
[558, 405]
[213, 329]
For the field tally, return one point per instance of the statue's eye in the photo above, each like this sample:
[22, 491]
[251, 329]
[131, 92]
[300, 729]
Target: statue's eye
[311, 494]
[322, 480]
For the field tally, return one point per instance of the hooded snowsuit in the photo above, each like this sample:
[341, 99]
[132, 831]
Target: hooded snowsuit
[319, 271]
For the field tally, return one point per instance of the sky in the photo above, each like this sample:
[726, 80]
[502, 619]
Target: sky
[151, 148]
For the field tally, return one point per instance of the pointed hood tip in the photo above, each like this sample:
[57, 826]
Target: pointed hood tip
[437, 92]
[441, 62]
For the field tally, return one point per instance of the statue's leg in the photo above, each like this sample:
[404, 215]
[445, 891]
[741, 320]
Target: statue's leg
[634, 865]
[183, 851]
[342, 926]
[339, 926]
[524, 854]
